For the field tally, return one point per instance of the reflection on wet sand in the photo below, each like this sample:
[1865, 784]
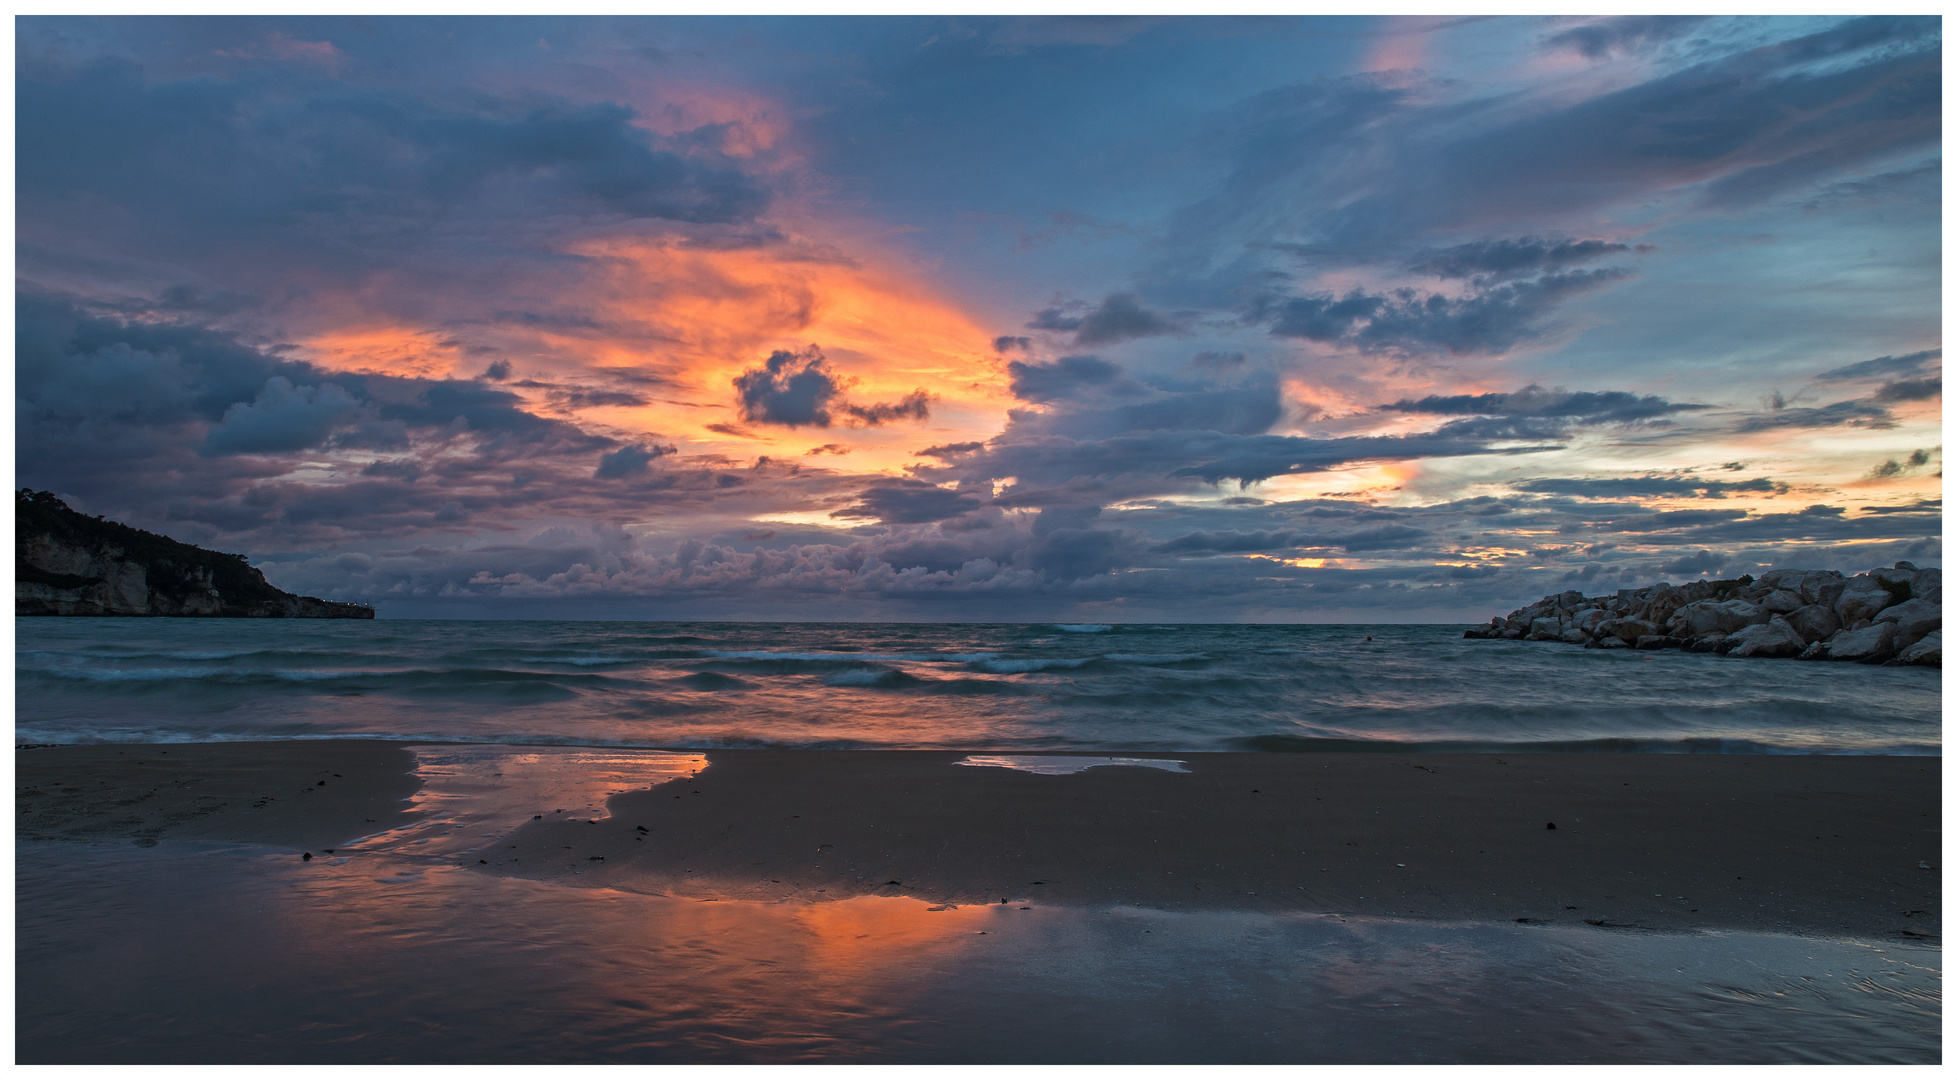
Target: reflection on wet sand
[472, 796]
[233, 954]
[408, 947]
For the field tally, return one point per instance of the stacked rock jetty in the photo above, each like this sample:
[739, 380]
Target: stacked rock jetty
[1893, 615]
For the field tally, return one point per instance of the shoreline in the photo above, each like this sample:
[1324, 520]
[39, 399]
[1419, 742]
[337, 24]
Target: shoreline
[1816, 845]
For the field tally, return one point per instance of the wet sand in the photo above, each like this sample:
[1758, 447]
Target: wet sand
[1809, 845]
[313, 794]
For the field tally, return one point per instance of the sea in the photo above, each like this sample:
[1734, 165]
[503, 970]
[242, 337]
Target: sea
[396, 947]
[1001, 687]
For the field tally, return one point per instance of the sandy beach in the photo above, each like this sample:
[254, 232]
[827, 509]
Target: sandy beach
[1807, 845]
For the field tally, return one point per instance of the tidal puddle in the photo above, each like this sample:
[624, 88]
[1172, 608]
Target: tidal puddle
[474, 795]
[1064, 764]
[196, 953]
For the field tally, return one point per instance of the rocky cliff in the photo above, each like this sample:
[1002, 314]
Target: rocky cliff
[1891, 615]
[67, 563]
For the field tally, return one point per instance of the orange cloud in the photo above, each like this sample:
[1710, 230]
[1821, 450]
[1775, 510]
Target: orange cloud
[698, 317]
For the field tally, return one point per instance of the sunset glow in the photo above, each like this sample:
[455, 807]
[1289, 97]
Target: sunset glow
[848, 318]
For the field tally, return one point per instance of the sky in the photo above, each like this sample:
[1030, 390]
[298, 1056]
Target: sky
[1261, 319]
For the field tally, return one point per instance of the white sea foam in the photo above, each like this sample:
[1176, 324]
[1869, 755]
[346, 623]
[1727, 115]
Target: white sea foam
[1064, 764]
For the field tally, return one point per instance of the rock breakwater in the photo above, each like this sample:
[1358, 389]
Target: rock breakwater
[1890, 615]
[67, 563]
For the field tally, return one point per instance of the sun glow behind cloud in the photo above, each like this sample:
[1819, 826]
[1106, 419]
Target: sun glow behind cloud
[1454, 336]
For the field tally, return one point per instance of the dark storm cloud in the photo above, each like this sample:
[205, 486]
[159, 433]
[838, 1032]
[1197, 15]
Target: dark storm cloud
[184, 426]
[1910, 390]
[630, 460]
[1065, 378]
[1625, 34]
[1611, 406]
[798, 389]
[1078, 399]
[1646, 486]
[278, 167]
[566, 156]
[1121, 316]
[1054, 319]
[1495, 259]
[1379, 538]
[1229, 542]
[283, 417]
[478, 407]
[909, 502]
[1490, 320]
[1007, 343]
[1883, 367]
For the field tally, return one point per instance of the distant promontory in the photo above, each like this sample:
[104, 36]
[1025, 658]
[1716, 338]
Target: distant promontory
[67, 563]
[1890, 615]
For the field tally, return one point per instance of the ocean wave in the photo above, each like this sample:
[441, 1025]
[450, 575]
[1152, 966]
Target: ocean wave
[714, 680]
[847, 657]
[1689, 745]
[1083, 628]
[868, 677]
[1022, 667]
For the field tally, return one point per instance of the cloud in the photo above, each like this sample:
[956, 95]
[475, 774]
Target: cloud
[798, 389]
[906, 502]
[915, 405]
[1490, 320]
[1910, 390]
[1852, 413]
[1498, 259]
[791, 389]
[1052, 467]
[324, 175]
[1688, 487]
[1006, 344]
[951, 451]
[630, 460]
[1066, 377]
[1119, 318]
[1610, 406]
[1214, 360]
[1893, 468]
[1624, 34]
[579, 397]
[282, 417]
[1883, 367]
[1377, 538]
[1054, 318]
